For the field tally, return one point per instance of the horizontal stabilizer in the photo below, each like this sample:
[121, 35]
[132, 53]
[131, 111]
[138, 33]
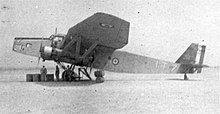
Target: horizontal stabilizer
[200, 66]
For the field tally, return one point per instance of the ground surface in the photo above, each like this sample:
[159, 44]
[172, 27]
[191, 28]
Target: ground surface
[120, 93]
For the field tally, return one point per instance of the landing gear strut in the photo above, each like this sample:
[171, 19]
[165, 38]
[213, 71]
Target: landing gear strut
[84, 71]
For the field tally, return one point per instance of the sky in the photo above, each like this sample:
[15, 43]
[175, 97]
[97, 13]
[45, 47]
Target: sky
[161, 29]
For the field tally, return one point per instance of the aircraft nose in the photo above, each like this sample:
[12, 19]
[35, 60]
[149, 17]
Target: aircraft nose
[17, 45]
[30, 46]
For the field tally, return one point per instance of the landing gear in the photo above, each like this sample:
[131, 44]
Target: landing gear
[99, 76]
[84, 71]
[70, 75]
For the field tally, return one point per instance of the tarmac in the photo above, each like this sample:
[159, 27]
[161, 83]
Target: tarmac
[120, 93]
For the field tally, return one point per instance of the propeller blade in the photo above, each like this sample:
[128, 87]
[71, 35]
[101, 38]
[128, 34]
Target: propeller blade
[38, 60]
[55, 30]
[41, 45]
[40, 52]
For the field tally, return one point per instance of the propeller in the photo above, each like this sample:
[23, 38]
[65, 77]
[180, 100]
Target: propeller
[38, 60]
[55, 30]
[40, 52]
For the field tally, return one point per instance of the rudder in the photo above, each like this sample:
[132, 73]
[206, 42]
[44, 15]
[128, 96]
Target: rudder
[201, 59]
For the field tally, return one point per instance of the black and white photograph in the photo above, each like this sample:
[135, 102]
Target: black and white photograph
[110, 56]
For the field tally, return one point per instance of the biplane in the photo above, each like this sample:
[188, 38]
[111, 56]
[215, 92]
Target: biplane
[93, 43]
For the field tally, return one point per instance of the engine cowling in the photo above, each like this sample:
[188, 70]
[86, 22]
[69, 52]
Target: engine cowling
[46, 52]
[50, 53]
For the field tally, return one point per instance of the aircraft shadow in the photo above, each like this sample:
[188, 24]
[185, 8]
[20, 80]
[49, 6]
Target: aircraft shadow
[124, 80]
[177, 79]
[173, 79]
[65, 84]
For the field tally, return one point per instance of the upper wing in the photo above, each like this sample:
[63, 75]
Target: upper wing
[108, 30]
[100, 34]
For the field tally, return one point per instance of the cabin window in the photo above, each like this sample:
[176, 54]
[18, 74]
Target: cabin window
[28, 45]
[57, 41]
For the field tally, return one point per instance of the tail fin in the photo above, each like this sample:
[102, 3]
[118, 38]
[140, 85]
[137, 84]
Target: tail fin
[202, 55]
[189, 56]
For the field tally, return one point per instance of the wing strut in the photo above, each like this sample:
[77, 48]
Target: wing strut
[69, 44]
[78, 44]
[90, 49]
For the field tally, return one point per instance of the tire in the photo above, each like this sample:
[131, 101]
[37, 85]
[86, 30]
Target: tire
[99, 73]
[100, 79]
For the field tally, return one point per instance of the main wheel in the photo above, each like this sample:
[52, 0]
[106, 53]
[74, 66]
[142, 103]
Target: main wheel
[99, 73]
[67, 75]
[100, 79]
[74, 77]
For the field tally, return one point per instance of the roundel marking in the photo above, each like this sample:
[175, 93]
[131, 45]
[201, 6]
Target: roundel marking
[115, 61]
[106, 25]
